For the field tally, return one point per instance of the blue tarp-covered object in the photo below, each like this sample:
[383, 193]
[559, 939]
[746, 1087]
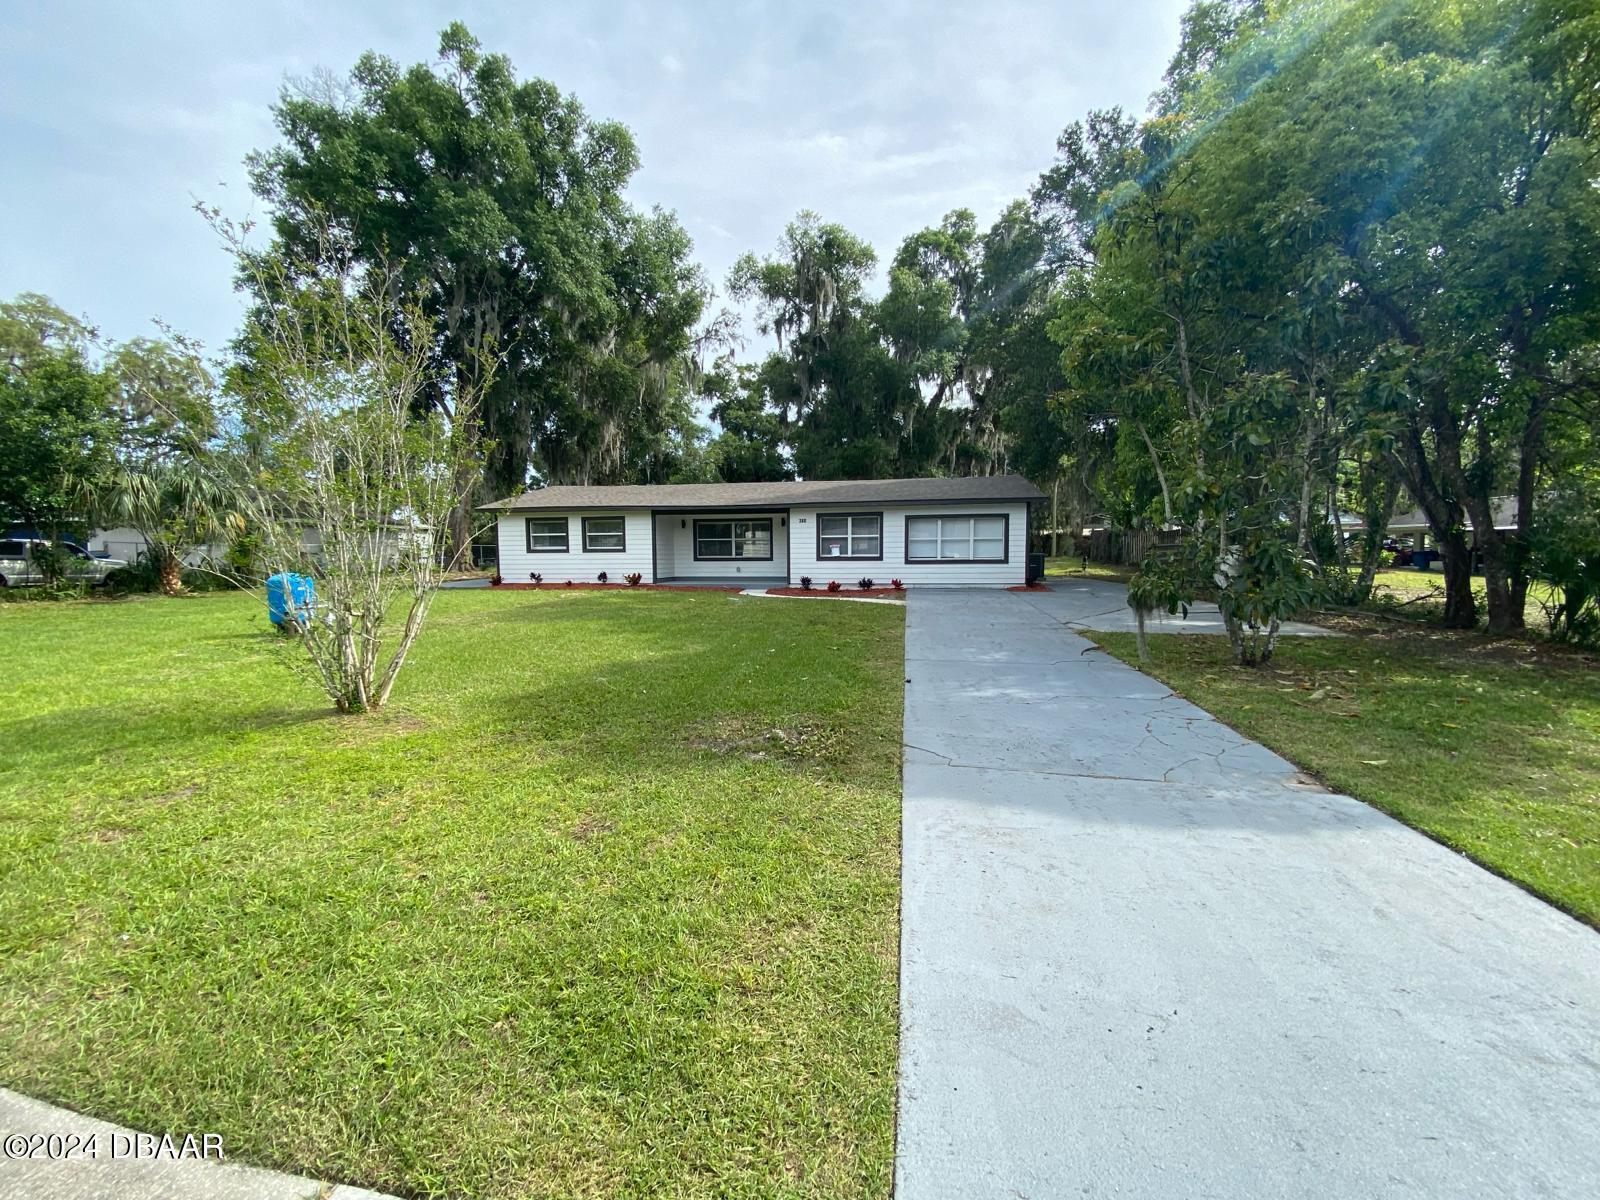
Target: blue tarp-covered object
[285, 590]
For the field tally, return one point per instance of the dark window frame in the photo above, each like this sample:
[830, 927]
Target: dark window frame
[767, 521]
[1005, 537]
[822, 558]
[622, 549]
[566, 525]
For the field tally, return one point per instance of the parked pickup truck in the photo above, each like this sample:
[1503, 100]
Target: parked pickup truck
[17, 567]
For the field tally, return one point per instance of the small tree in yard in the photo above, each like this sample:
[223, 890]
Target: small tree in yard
[333, 439]
[1163, 583]
[161, 482]
[1260, 581]
[174, 506]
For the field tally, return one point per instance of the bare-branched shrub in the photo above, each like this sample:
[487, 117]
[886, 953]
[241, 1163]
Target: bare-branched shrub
[351, 449]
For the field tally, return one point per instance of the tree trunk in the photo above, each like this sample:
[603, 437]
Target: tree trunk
[1517, 585]
[1139, 638]
[1444, 515]
[1527, 479]
[458, 548]
[1505, 613]
[468, 423]
[1235, 639]
[1271, 644]
[1055, 518]
[1302, 537]
[1460, 606]
[1161, 476]
[169, 573]
[1341, 553]
[391, 672]
[1372, 542]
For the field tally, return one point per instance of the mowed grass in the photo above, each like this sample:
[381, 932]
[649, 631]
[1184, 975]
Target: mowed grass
[1075, 567]
[1423, 593]
[1413, 592]
[604, 904]
[1491, 746]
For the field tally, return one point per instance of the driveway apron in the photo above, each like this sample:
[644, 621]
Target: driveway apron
[1141, 957]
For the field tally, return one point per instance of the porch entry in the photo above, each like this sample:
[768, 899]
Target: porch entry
[746, 547]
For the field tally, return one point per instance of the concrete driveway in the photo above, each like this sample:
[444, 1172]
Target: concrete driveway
[1140, 960]
[1084, 603]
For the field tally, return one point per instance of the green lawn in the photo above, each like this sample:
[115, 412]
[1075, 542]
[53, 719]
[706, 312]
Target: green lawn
[1423, 592]
[604, 904]
[1420, 593]
[1073, 567]
[1493, 747]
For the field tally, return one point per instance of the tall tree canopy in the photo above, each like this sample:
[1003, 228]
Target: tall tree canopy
[503, 200]
[1357, 238]
[102, 434]
[56, 431]
[937, 375]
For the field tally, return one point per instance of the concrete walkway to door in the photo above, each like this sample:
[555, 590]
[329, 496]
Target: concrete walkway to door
[1140, 960]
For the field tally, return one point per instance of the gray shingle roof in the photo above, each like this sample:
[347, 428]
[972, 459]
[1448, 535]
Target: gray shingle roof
[952, 490]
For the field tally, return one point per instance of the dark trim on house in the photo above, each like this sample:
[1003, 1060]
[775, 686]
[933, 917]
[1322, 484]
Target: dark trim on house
[695, 532]
[878, 557]
[1005, 539]
[512, 510]
[622, 549]
[566, 524]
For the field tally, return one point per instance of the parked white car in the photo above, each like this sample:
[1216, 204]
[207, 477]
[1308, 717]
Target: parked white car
[17, 567]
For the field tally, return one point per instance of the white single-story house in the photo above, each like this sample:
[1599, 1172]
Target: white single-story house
[951, 532]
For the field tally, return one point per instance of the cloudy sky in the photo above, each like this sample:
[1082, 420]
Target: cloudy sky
[116, 116]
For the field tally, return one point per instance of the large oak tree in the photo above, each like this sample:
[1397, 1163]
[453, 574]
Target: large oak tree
[503, 201]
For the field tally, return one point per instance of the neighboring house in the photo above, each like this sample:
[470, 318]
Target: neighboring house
[128, 544]
[1414, 524]
[956, 532]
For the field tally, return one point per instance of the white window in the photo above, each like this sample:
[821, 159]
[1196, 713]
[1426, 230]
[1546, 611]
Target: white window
[604, 533]
[956, 539]
[547, 535]
[733, 539]
[850, 535]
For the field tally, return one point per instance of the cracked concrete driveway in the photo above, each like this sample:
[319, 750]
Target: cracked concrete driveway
[1139, 959]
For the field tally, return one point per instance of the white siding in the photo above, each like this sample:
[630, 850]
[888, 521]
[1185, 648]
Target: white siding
[666, 528]
[794, 549]
[128, 544]
[675, 558]
[576, 564]
[804, 560]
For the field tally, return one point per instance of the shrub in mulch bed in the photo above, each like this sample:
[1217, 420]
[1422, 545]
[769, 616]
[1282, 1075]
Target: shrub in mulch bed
[877, 593]
[574, 586]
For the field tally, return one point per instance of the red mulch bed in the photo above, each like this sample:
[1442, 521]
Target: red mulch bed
[1030, 587]
[884, 593]
[579, 586]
